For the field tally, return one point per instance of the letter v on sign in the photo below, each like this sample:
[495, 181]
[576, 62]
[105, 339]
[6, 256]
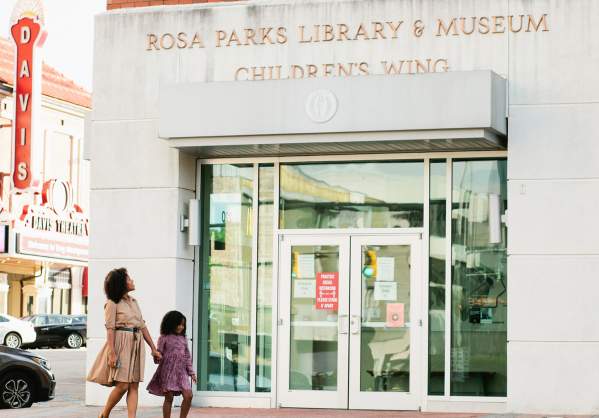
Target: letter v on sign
[24, 100]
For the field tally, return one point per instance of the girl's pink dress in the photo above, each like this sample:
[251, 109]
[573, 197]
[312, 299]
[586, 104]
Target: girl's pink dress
[175, 368]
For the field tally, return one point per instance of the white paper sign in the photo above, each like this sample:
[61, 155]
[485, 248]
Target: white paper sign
[304, 288]
[305, 266]
[386, 269]
[385, 291]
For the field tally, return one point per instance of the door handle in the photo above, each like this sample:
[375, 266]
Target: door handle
[343, 324]
[355, 324]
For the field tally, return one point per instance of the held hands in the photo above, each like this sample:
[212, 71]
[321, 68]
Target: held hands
[157, 355]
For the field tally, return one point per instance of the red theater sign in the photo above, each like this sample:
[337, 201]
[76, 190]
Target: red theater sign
[29, 35]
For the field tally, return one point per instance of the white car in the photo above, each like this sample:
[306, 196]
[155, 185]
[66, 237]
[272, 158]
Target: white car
[14, 332]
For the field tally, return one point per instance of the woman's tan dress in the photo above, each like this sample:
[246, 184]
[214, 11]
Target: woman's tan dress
[128, 345]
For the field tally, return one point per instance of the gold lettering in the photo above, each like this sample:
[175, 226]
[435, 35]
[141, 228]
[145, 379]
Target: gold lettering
[342, 71]
[328, 33]
[394, 28]
[312, 70]
[197, 40]
[537, 25]
[265, 32]
[301, 30]
[444, 30]
[328, 69]
[221, 35]
[361, 32]
[444, 65]
[181, 40]
[171, 41]
[421, 68]
[249, 36]
[391, 69]
[257, 73]
[343, 29]
[238, 73]
[511, 23]
[483, 25]
[282, 35]
[294, 71]
[379, 30]
[470, 31]
[152, 42]
[363, 67]
[233, 38]
[498, 24]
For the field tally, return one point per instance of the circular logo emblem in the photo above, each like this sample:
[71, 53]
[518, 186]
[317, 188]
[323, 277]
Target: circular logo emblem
[321, 106]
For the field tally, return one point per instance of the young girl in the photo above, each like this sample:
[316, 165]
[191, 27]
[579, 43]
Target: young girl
[174, 370]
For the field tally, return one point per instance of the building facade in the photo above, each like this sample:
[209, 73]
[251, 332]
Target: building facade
[44, 228]
[359, 203]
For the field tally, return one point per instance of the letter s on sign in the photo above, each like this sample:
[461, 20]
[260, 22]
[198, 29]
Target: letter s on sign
[22, 171]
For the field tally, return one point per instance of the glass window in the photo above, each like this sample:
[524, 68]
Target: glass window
[3, 319]
[226, 268]
[436, 268]
[352, 195]
[264, 291]
[479, 279]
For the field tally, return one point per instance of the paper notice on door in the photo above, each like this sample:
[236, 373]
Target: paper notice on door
[305, 266]
[386, 269]
[395, 315]
[385, 291]
[304, 289]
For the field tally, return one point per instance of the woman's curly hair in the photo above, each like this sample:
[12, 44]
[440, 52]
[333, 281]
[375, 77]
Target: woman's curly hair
[171, 321]
[115, 284]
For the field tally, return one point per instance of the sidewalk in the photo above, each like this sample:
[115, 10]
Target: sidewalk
[76, 411]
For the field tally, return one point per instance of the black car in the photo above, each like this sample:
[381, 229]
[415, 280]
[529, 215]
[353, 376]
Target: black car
[58, 330]
[25, 378]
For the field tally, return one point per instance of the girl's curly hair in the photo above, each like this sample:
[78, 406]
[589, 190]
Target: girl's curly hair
[171, 320]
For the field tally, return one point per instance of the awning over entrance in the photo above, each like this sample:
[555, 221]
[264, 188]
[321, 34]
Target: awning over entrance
[454, 111]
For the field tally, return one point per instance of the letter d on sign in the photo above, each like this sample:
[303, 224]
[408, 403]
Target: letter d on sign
[25, 35]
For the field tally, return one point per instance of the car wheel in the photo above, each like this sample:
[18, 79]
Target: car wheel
[74, 340]
[16, 391]
[12, 340]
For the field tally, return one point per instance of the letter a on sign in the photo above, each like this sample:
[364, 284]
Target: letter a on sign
[27, 29]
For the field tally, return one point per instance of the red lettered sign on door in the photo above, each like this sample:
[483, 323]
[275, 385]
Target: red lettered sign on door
[26, 34]
[327, 291]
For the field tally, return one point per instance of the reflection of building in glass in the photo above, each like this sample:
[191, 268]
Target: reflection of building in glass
[352, 195]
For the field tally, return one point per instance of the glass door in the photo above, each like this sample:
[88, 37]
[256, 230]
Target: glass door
[313, 321]
[385, 323]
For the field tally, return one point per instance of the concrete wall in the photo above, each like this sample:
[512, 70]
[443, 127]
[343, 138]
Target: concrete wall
[140, 185]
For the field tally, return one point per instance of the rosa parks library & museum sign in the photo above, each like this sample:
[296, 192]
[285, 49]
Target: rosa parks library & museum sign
[401, 31]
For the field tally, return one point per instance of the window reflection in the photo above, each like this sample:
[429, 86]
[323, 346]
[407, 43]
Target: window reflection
[226, 278]
[352, 195]
[479, 279]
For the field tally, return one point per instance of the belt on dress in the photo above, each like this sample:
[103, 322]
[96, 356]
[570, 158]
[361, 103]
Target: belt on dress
[133, 330]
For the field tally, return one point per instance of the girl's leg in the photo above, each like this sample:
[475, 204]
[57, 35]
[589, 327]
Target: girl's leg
[132, 395]
[186, 404]
[167, 406]
[115, 396]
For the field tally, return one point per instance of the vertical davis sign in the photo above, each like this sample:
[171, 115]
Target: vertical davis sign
[27, 29]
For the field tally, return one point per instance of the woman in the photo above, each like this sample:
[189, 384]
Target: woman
[120, 363]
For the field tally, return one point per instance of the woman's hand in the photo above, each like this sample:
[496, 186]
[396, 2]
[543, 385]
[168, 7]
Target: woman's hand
[194, 378]
[112, 359]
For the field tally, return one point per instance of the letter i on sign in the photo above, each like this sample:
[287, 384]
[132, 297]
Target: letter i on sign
[27, 29]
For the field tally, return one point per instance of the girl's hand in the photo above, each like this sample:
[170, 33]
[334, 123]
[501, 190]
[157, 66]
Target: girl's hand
[111, 359]
[157, 356]
[194, 378]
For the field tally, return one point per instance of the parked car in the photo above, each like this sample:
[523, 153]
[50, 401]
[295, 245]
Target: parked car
[14, 332]
[58, 331]
[25, 378]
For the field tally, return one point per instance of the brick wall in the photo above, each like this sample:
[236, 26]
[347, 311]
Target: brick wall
[120, 4]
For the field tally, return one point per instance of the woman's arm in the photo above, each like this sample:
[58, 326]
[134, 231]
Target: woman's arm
[111, 351]
[155, 353]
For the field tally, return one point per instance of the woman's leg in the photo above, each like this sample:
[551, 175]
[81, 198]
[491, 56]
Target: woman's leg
[132, 395]
[115, 396]
[167, 406]
[186, 404]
